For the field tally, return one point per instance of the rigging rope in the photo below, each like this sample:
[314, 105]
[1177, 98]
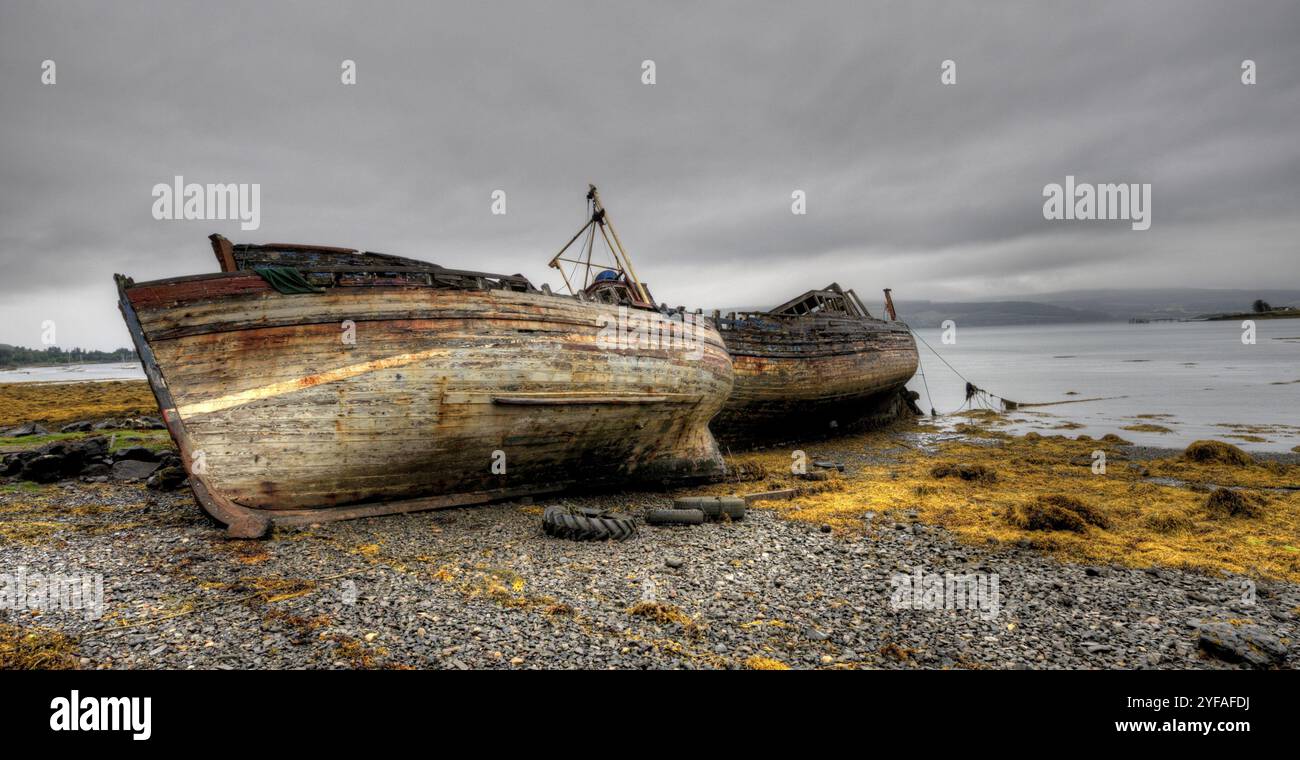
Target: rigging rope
[973, 392]
[977, 395]
[926, 383]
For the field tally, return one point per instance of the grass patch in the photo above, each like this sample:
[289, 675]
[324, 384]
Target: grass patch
[156, 440]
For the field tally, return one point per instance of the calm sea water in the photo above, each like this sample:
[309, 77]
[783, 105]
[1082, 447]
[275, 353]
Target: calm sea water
[1196, 379]
[1198, 376]
[73, 373]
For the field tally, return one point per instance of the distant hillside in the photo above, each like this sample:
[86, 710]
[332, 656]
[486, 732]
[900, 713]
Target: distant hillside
[980, 313]
[1070, 306]
[1166, 303]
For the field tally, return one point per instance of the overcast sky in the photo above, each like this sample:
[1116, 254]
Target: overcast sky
[933, 190]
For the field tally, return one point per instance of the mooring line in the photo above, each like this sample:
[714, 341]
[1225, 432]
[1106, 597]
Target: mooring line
[973, 391]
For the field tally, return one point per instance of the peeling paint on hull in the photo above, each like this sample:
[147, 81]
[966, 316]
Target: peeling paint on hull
[796, 376]
[281, 421]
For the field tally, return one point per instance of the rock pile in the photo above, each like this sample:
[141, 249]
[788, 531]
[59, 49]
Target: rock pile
[91, 460]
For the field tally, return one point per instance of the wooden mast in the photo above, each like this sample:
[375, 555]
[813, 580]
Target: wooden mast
[620, 252]
[622, 262]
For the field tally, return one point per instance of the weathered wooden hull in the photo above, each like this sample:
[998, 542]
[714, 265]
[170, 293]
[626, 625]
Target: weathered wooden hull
[444, 397]
[812, 374]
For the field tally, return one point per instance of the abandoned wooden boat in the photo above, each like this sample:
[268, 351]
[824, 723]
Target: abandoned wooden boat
[305, 383]
[815, 364]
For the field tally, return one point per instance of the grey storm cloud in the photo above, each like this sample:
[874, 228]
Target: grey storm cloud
[933, 190]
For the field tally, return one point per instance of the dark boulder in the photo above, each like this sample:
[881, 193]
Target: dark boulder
[12, 464]
[96, 470]
[30, 428]
[87, 448]
[1250, 645]
[45, 468]
[76, 427]
[128, 470]
[76, 454]
[56, 461]
[137, 453]
[167, 478]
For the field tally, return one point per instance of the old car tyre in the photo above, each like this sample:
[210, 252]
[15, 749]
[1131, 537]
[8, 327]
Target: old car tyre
[732, 506]
[707, 504]
[674, 517]
[586, 524]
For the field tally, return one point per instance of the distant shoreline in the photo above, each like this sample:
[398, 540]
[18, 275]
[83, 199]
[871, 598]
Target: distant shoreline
[55, 365]
[1277, 314]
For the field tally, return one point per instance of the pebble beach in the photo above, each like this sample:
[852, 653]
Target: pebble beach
[810, 581]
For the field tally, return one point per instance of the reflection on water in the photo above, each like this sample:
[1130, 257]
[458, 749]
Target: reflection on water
[74, 373]
[1193, 379]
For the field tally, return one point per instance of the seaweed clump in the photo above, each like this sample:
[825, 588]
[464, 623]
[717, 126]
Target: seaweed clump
[755, 662]
[1147, 427]
[1225, 502]
[1168, 522]
[664, 613]
[1056, 512]
[1217, 451]
[968, 472]
[743, 471]
[36, 649]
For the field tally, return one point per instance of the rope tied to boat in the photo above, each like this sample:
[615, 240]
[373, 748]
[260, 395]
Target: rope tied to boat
[977, 396]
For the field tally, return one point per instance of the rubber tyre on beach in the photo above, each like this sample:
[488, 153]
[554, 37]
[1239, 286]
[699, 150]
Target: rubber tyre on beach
[732, 506]
[693, 502]
[674, 517]
[707, 504]
[587, 524]
[713, 507]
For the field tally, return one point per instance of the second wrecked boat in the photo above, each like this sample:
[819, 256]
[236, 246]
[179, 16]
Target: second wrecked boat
[306, 383]
[816, 363]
